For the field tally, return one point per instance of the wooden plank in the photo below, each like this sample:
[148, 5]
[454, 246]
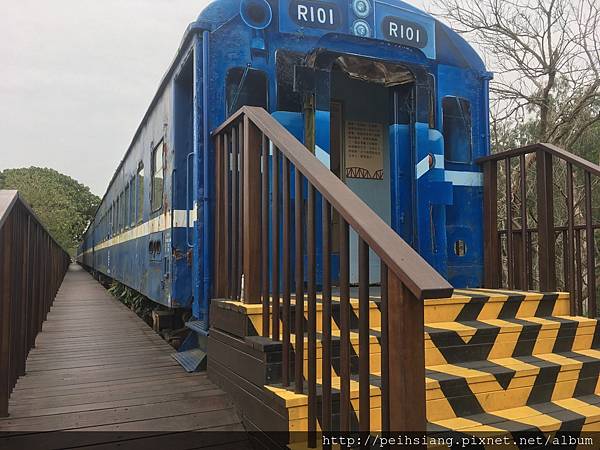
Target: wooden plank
[108, 371]
[137, 439]
[77, 383]
[59, 397]
[64, 405]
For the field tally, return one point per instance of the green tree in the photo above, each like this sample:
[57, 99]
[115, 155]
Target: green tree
[64, 205]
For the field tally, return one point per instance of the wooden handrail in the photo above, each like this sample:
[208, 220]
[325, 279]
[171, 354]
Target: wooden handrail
[579, 239]
[266, 251]
[552, 149]
[32, 266]
[10, 197]
[7, 201]
[414, 272]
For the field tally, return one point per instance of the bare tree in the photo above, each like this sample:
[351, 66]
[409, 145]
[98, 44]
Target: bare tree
[546, 59]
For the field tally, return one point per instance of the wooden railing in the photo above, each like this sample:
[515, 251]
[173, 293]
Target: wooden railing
[32, 266]
[264, 234]
[539, 223]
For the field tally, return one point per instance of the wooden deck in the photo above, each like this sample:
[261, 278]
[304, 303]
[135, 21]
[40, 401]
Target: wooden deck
[99, 372]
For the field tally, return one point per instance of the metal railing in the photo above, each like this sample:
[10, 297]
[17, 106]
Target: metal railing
[526, 245]
[266, 252]
[32, 266]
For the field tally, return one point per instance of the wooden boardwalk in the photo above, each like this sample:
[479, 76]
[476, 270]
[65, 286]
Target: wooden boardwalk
[99, 372]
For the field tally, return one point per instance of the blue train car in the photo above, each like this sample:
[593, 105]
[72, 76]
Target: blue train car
[400, 112]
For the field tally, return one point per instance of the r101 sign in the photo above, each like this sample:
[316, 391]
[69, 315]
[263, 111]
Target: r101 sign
[315, 14]
[404, 32]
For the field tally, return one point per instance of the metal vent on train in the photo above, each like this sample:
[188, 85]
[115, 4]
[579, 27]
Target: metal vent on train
[256, 14]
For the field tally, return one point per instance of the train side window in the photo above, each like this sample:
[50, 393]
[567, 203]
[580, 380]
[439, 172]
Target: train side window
[126, 202]
[118, 218]
[140, 193]
[457, 124]
[132, 200]
[122, 212]
[157, 177]
[245, 87]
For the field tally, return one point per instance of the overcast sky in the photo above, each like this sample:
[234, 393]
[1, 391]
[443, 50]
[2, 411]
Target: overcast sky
[76, 77]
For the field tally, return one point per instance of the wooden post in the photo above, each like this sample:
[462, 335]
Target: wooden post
[545, 211]
[590, 248]
[569, 248]
[220, 205]
[5, 314]
[252, 212]
[406, 358]
[490, 225]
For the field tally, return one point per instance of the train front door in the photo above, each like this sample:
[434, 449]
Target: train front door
[371, 144]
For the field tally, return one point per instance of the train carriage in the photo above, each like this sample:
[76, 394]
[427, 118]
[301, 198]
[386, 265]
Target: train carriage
[392, 101]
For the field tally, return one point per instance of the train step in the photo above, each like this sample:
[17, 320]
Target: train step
[198, 326]
[191, 360]
[572, 415]
[464, 305]
[192, 353]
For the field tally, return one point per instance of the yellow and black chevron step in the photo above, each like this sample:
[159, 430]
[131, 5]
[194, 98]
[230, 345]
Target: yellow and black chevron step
[464, 389]
[464, 305]
[497, 361]
[461, 390]
[481, 304]
[458, 342]
[580, 414]
[452, 342]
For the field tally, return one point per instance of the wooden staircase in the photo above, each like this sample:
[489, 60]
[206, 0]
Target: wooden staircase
[304, 352]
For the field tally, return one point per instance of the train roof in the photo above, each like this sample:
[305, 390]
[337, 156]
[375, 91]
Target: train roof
[451, 47]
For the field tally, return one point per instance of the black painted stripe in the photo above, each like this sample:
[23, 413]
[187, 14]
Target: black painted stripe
[588, 374]
[471, 310]
[544, 383]
[566, 334]
[546, 305]
[502, 374]
[511, 306]
[455, 350]
[529, 335]
[464, 405]
[596, 339]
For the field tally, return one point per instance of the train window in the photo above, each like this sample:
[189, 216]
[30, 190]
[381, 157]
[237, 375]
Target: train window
[132, 199]
[246, 87]
[157, 177]
[121, 212]
[118, 216]
[140, 194]
[126, 203]
[457, 129]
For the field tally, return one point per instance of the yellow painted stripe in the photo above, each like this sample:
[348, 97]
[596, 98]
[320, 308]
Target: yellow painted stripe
[176, 219]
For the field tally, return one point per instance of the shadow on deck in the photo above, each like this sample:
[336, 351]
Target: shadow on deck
[100, 373]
